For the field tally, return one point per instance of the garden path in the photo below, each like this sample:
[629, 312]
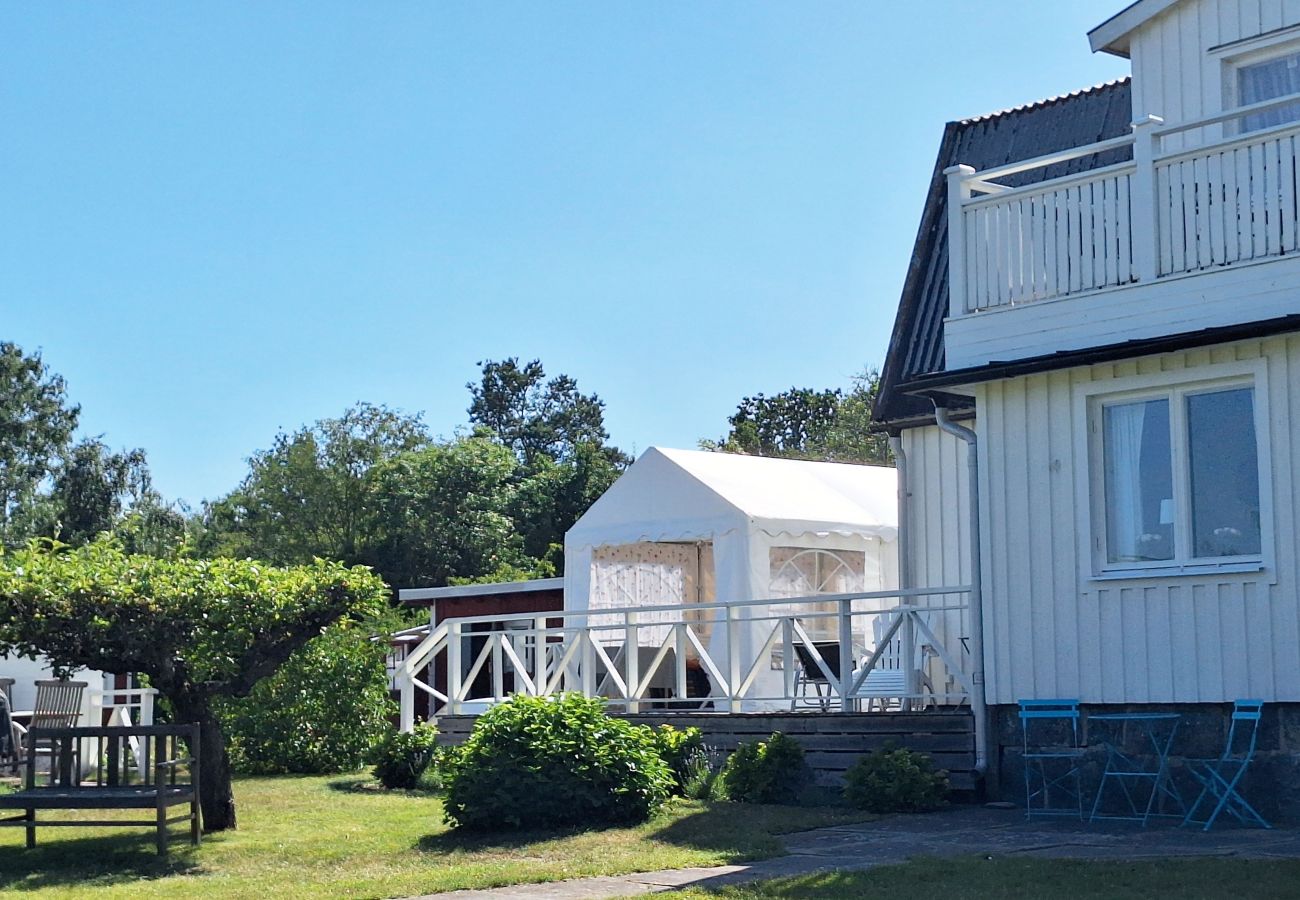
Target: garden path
[959, 831]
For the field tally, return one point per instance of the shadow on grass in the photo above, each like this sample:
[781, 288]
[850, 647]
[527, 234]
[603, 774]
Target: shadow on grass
[363, 784]
[735, 832]
[91, 861]
[459, 840]
[739, 832]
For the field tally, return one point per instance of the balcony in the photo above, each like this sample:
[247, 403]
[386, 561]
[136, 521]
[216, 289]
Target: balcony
[1196, 198]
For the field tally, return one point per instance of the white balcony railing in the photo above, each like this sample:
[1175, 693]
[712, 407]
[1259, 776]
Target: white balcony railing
[1172, 209]
[899, 649]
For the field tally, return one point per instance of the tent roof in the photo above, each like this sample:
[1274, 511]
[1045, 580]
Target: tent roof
[694, 494]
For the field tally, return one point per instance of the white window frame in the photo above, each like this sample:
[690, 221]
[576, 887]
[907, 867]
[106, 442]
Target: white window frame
[1176, 386]
[1248, 52]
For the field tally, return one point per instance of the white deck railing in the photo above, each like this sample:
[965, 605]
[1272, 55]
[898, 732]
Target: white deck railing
[898, 648]
[1195, 196]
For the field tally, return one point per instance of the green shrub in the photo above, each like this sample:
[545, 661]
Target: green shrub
[320, 712]
[771, 771]
[703, 774]
[677, 748]
[401, 757]
[895, 780]
[535, 762]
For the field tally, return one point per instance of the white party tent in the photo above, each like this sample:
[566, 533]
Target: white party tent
[689, 526]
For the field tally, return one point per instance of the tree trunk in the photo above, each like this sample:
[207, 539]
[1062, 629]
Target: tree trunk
[216, 797]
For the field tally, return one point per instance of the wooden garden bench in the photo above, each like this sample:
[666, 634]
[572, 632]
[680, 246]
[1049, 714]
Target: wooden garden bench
[136, 767]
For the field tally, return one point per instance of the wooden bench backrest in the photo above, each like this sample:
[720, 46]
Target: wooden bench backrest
[112, 756]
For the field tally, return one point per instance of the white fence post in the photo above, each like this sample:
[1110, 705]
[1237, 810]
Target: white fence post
[406, 703]
[1142, 199]
[846, 655]
[911, 683]
[734, 669]
[632, 660]
[958, 193]
[541, 671]
[454, 688]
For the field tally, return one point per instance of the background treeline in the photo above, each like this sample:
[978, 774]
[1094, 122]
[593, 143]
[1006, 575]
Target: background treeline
[372, 487]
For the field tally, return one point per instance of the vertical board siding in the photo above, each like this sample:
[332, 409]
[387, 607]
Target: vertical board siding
[1174, 75]
[1051, 630]
[937, 514]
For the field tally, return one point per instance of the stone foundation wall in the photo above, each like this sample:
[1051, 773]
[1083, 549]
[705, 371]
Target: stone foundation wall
[1272, 784]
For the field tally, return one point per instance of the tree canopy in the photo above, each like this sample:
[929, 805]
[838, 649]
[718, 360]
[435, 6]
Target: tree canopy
[537, 418]
[36, 424]
[829, 425]
[199, 629]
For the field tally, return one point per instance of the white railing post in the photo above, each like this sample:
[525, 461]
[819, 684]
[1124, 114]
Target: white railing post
[734, 668]
[454, 688]
[541, 671]
[406, 702]
[632, 660]
[958, 193]
[146, 705]
[908, 657]
[787, 658]
[1142, 200]
[587, 665]
[498, 667]
[846, 655]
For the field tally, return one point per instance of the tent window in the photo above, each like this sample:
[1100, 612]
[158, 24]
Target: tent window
[802, 572]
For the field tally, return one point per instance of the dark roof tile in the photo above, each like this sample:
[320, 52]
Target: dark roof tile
[1059, 123]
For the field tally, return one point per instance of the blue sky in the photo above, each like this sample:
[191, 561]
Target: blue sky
[225, 219]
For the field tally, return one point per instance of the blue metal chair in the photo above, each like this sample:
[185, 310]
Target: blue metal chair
[1220, 777]
[1052, 754]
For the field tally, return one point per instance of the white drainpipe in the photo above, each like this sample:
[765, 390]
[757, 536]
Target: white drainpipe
[977, 702]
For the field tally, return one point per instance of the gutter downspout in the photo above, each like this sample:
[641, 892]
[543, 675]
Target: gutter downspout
[977, 700]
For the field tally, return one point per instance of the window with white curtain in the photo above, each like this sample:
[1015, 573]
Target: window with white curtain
[1266, 80]
[1179, 476]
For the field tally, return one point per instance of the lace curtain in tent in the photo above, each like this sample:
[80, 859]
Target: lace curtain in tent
[651, 574]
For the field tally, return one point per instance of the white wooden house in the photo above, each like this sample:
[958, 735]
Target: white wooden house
[1103, 314]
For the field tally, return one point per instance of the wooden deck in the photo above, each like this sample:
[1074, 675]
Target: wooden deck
[833, 740]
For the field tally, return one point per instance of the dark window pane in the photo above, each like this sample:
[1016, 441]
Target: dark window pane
[1139, 482]
[1225, 473]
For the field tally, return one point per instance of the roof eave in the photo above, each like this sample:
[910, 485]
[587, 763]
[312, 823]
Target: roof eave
[1069, 359]
[1112, 36]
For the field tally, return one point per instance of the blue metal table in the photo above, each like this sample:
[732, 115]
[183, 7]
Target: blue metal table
[1125, 768]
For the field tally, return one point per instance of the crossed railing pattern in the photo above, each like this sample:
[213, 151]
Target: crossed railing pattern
[749, 652]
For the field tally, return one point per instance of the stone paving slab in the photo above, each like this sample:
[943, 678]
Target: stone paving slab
[961, 831]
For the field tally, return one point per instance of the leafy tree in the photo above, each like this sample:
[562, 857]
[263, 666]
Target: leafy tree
[558, 435]
[442, 512]
[802, 423]
[321, 711]
[36, 424]
[535, 417]
[555, 495]
[310, 494]
[96, 491]
[202, 631]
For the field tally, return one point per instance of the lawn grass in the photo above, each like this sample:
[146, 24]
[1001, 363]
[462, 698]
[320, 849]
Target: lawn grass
[332, 837]
[981, 878]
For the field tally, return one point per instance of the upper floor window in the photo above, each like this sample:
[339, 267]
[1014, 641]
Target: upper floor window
[1177, 477]
[1266, 80]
